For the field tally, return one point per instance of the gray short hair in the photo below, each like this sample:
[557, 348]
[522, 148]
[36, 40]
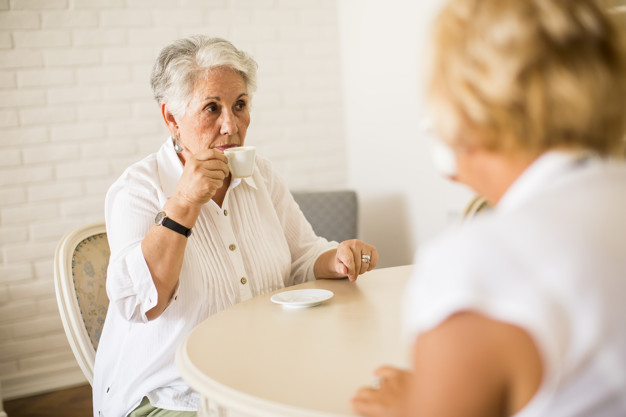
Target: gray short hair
[177, 68]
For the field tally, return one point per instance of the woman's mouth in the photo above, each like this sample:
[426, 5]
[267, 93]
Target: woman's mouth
[224, 147]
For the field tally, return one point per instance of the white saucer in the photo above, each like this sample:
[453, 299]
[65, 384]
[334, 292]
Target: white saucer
[302, 298]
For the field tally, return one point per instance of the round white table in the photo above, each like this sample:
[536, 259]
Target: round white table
[261, 359]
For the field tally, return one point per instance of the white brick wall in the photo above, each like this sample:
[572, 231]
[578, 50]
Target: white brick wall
[76, 109]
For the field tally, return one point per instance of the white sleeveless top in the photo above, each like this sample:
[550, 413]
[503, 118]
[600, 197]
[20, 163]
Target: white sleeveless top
[551, 259]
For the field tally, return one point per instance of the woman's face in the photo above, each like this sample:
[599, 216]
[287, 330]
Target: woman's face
[488, 172]
[218, 113]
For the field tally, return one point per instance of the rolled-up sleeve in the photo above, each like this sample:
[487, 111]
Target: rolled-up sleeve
[130, 208]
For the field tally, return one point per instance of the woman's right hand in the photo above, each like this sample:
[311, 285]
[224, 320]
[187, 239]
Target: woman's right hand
[203, 174]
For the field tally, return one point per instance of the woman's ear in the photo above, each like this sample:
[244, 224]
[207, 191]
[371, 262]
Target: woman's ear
[170, 121]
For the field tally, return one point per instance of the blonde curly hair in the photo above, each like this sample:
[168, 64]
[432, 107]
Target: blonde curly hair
[530, 75]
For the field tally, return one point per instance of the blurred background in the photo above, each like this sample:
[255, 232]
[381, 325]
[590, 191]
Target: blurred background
[339, 106]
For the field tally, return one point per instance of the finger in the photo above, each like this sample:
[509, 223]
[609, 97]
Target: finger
[387, 371]
[342, 269]
[367, 403]
[364, 264]
[363, 396]
[346, 257]
[363, 393]
[214, 165]
[392, 379]
[186, 153]
[374, 259]
[356, 253]
[208, 154]
[212, 174]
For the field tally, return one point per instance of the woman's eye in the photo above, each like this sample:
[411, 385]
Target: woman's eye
[212, 107]
[240, 105]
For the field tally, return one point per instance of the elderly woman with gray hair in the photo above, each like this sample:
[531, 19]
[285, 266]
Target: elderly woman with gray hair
[188, 240]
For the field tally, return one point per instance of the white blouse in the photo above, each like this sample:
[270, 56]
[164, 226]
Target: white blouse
[549, 259]
[258, 241]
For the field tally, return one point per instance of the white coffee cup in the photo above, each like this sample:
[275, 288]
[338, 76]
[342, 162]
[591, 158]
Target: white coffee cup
[241, 160]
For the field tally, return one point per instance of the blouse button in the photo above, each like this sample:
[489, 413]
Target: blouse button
[232, 247]
[244, 280]
[225, 212]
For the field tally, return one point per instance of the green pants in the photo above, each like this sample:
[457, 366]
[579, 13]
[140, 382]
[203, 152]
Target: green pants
[146, 409]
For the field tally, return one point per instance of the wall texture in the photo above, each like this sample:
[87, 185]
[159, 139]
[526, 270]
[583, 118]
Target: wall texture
[405, 201]
[76, 109]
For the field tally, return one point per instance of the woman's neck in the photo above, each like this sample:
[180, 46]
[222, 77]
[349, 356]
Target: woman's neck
[496, 172]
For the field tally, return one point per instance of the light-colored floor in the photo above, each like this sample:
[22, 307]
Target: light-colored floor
[71, 402]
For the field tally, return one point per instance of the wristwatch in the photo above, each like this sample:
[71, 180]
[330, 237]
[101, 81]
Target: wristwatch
[161, 219]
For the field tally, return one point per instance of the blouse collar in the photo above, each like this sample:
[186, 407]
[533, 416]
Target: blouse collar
[549, 167]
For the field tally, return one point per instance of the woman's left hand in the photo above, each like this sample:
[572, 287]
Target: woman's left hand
[354, 258]
[389, 398]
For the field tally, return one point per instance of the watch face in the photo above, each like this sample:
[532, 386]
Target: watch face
[159, 217]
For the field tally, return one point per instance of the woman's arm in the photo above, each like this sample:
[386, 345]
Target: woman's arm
[468, 366]
[164, 249]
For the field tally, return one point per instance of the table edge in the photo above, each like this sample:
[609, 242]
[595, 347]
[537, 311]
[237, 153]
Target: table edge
[231, 398]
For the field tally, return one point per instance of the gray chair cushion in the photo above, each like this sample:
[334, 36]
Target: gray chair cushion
[333, 214]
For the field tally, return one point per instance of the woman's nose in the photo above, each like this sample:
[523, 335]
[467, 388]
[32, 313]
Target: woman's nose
[229, 125]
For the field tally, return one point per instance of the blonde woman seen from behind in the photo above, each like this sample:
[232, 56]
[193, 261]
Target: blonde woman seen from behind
[521, 311]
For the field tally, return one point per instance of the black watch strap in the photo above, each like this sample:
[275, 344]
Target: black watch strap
[165, 221]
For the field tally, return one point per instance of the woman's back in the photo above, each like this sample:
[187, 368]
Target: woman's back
[551, 260]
